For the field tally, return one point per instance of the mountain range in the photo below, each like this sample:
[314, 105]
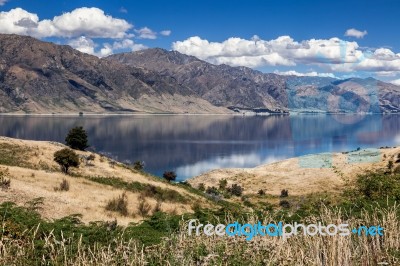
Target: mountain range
[43, 77]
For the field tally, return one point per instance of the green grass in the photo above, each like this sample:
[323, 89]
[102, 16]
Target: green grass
[160, 236]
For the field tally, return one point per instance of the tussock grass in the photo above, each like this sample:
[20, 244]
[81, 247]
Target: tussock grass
[149, 190]
[63, 186]
[57, 248]
[119, 204]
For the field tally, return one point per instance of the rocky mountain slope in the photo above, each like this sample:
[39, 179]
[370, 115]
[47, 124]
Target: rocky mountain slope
[245, 88]
[221, 85]
[41, 77]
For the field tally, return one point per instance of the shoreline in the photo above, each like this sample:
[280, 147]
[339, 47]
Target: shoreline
[189, 114]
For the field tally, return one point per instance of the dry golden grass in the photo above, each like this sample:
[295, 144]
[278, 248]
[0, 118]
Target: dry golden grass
[289, 174]
[84, 196]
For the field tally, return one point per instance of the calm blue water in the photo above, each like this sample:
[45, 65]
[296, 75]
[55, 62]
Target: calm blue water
[191, 145]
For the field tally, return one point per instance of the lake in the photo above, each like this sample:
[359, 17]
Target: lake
[193, 144]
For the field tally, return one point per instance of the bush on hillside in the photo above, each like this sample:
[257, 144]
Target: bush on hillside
[77, 139]
[66, 158]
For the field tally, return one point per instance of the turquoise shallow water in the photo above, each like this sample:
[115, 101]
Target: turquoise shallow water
[191, 145]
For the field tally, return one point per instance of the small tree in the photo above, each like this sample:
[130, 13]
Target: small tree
[66, 158]
[77, 139]
[169, 176]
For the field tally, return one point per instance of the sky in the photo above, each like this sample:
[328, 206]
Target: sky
[339, 39]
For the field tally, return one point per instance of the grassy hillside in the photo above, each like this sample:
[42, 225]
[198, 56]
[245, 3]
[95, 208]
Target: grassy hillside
[43, 225]
[34, 174]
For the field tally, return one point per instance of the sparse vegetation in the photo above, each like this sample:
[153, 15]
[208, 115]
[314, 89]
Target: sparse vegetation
[143, 207]
[390, 165]
[169, 176]
[90, 159]
[5, 181]
[14, 155]
[222, 184]
[149, 190]
[64, 186]
[119, 205]
[212, 191]
[157, 207]
[284, 193]
[66, 158]
[138, 165]
[201, 187]
[284, 204]
[378, 185]
[77, 139]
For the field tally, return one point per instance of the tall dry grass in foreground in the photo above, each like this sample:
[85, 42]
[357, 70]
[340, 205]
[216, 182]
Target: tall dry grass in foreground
[182, 249]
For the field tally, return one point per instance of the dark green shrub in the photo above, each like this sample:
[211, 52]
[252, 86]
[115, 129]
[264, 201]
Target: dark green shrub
[77, 139]
[169, 176]
[261, 192]
[138, 165]
[378, 185]
[236, 190]
[66, 158]
[212, 191]
[284, 204]
[284, 193]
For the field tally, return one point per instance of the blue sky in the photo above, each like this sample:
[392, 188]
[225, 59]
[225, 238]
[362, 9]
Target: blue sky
[287, 37]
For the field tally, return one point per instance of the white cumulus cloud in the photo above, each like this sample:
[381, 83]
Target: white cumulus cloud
[87, 45]
[355, 33]
[83, 44]
[334, 54]
[84, 21]
[146, 33]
